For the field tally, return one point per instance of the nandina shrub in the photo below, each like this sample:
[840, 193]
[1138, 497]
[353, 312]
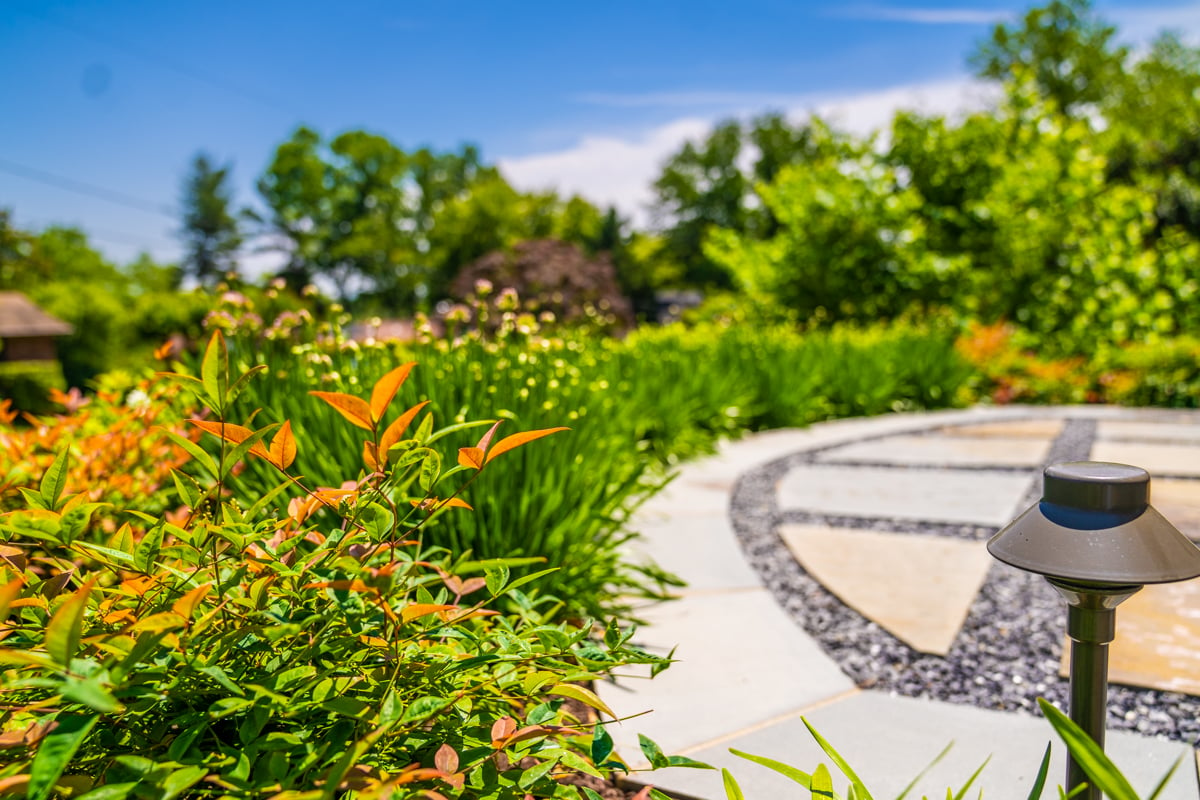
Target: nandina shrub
[116, 463]
[310, 645]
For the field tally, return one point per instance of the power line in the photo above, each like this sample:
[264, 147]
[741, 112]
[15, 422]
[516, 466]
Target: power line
[163, 61]
[87, 189]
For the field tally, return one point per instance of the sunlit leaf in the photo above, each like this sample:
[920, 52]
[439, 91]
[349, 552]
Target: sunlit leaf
[470, 457]
[583, 695]
[386, 387]
[55, 480]
[214, 369]
[352, 408]
[417, 610]
[446, 758]
[55, 752]
[66, 626]
[396, 430]
[283, 446]
[370, 457]
[518, 439]
[185, 606]
[234, 434]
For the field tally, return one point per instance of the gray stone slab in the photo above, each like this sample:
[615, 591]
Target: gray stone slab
[741, 661]
[1133, 430]
[1157, 458]
[951, 451]
[982, 497]
[700, 548]
[889, 740]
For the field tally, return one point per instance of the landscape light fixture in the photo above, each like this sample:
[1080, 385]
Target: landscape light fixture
[1097, 540]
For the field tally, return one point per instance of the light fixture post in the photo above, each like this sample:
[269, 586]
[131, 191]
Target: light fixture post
[1095, 537]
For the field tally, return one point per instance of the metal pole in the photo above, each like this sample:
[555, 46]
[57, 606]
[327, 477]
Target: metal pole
[1092, 625]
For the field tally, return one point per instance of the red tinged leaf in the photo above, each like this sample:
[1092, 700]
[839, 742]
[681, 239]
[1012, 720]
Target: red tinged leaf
[352, 408]
[446, 759]
[501, 730]
[470, 457]
[235, 434]
[486, 440]
[386, 388]
[370, 456]
[417, 610]
[397, 429]
[283, 446]
[518, 439]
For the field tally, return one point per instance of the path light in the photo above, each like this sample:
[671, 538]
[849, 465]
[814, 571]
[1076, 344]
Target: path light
[1097, 540]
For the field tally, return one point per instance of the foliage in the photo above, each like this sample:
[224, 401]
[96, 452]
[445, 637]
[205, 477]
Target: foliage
[116, 464]
[301, 648]
[26, 385]
[1097, 766]
[211, 232]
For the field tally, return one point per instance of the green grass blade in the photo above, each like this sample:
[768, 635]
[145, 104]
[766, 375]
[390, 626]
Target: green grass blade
[837, 759]
[1039, 783]
[732, 790]
[800, 777]
[924, 772]
[966, 786]
[1162, 784]
[1103, 773]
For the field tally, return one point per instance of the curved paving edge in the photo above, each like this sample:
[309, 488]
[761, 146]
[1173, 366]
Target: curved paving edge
[747, 672]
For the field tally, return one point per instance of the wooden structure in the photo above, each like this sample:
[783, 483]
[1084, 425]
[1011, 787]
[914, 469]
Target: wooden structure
[26, 332]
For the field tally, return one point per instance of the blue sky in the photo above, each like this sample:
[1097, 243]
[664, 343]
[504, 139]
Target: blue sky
[105, 103]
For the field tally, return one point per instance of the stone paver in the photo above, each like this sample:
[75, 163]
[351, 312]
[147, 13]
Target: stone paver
[888, 740]
[699, 546]
[918, 588]
[1014, 429]
[739, 660]
[1128, 430]
[1158, 630]
[958, 451]
[978, 497]
[1157, 458]
[1179, 502]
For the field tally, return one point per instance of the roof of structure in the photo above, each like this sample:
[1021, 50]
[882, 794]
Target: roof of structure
[19, 317]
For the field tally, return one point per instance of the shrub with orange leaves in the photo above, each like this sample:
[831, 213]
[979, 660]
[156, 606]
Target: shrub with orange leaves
[115, 461]
[308, 646]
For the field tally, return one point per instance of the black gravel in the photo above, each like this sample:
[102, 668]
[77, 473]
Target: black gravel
[1010, 647]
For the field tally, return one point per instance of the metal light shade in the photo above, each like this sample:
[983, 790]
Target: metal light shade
[1095, 525]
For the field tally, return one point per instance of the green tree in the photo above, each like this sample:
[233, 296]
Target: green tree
[211, 231]
[1067, 49]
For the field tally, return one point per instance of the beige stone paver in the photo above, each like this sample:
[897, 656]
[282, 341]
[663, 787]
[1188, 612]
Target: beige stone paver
[1158, 639]
[1015, 429]
[1157, 458]
[1179, 502]
[963, 451]
[978, 497]
[1129, 430]
[917, 587]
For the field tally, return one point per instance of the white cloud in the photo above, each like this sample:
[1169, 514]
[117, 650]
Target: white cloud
[618, 171]
[926, 16]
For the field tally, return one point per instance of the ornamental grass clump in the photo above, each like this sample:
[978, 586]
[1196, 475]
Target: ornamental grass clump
[311, 644]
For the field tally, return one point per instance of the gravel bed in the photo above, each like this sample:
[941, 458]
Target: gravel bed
[1009, 649]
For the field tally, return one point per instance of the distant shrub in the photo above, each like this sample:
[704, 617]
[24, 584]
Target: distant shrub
[27, 384]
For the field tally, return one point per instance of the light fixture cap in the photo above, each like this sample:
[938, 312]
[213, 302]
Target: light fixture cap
[1095, 525]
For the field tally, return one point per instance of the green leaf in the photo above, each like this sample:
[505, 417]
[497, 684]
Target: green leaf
[653, 752]
[591, 794]
[732, 790]
[241, 382]
[602, 744]
[689, 763]
[431, 468]
[180, 781]
[837, 759]
[424, 429]
[925, 771]
[822, 784]
[55, 753]
[966, 786]
[147, 549]
[1039, 782]
[1087, 754]
[424, 708]
[1162, 784]
[802, 778]
[191, 448]
[111, 791]
[66, 626]
[496, 577]
[188, 492]
[55, 480]
[214, 370]
[535, 773]
[92, 693]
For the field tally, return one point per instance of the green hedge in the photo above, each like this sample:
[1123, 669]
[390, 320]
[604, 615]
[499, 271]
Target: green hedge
[28, 384]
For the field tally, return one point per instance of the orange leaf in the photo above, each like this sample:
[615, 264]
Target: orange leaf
[518, 439]
[486, 439]
[283, 446]
[417, 610]
[352, 408]
[349, 586]
[470, 457]
[231, 433]
[397, 429]
[370, 456]
[433, 504]
[501, 730]
[386, 388]
[185, 606]
[419, 774]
